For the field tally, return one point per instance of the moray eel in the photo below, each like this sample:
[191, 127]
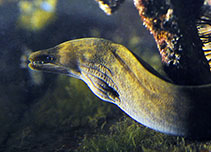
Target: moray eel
[116, 75]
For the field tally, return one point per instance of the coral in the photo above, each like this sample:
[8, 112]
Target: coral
[173, 25]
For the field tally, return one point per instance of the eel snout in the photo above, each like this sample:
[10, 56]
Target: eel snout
[45, 61]
[40, 60]
[52, 60]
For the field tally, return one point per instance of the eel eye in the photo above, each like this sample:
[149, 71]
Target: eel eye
[47, 59]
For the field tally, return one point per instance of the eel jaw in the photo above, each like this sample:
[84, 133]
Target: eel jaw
[38, 66]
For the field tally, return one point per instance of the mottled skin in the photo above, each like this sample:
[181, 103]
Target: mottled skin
[114, 74]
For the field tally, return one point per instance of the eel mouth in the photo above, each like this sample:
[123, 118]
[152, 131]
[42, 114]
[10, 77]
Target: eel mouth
[39, 65]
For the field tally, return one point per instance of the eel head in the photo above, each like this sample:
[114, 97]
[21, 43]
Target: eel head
[62, 59]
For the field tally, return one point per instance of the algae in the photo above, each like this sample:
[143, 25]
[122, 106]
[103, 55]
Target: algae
[128, 135]
[67, 110]
[70, 103]
[69, 117]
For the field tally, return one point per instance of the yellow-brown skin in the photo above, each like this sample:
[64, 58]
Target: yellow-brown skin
[114, 74]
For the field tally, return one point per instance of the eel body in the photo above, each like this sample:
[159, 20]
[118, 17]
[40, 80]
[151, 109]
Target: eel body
[116, 75]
